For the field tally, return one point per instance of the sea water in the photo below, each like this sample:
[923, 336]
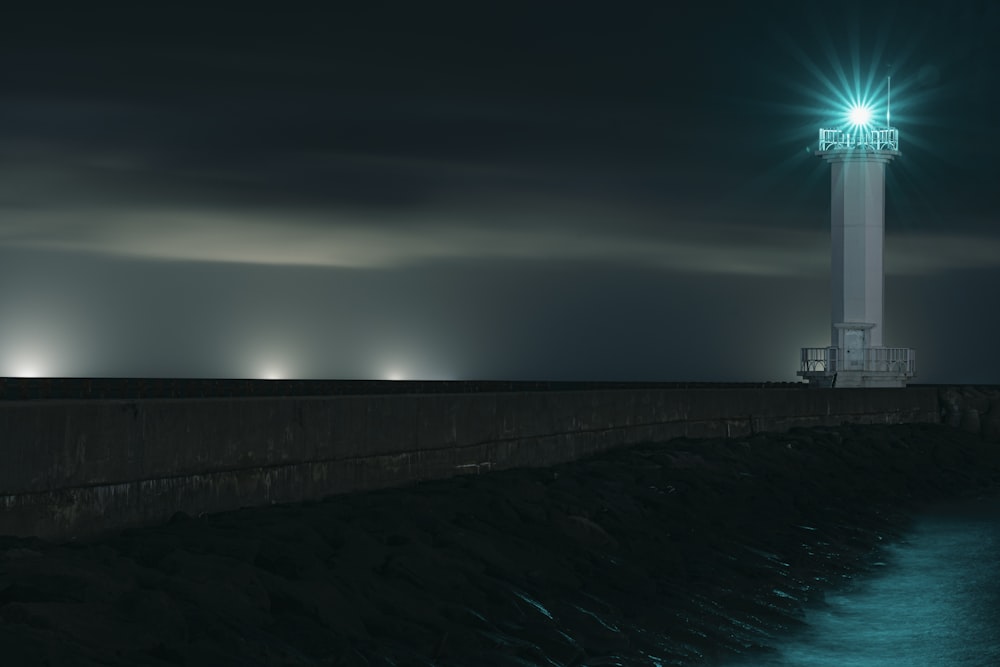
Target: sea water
[933, 599]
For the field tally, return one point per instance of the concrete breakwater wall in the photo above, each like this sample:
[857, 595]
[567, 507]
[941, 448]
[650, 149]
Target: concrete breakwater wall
[78, 468]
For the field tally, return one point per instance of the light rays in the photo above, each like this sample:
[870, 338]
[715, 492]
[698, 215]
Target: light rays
[833, 71]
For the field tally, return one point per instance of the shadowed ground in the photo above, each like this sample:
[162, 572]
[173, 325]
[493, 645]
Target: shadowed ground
[674, 553]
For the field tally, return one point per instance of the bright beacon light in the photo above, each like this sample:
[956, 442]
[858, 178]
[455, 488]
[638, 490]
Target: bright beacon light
[859, 115]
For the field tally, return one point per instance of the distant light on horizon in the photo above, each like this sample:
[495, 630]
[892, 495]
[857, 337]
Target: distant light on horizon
[267, 356]
[400, 370]
[25, 357]
[272, 370]
[28, 366]
[27, 370]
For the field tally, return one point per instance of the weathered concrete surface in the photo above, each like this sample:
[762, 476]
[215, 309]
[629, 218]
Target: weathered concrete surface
[80, 468]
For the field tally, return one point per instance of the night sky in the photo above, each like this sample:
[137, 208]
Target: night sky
[562, 191]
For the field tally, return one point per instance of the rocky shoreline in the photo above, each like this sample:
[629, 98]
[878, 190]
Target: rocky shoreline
[679, 553]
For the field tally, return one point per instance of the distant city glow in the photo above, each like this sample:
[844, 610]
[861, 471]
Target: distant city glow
[268, 366]
[272, 369]
[25, 364]
[402, 362]
[27, 369]
[30, 359]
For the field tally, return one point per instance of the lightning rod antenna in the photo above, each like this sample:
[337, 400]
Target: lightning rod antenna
[888, 99]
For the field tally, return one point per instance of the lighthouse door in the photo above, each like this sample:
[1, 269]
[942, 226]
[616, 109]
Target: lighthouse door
[854, 349]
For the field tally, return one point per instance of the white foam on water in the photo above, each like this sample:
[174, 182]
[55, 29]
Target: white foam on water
[935, 602]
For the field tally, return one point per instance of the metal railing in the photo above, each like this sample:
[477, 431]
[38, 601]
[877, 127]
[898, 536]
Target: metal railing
[885, 139]
[830, 360]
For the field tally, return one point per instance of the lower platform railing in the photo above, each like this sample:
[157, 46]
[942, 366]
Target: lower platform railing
[831, 360]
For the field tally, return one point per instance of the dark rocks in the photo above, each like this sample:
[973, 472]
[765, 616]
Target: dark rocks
[973, 409]
[688, 551]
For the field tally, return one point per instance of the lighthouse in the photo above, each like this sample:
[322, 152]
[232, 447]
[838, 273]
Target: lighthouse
[858, 154]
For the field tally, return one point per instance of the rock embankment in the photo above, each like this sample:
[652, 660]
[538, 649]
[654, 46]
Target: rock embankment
[673, 553]
[972, 409]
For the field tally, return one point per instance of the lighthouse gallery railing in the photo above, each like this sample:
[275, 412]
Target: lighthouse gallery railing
[885, 139]
[829, 360]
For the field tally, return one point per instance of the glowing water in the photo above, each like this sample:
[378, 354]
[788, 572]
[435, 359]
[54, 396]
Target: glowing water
[935, 603]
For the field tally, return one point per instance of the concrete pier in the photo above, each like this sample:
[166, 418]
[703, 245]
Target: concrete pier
[80, 468]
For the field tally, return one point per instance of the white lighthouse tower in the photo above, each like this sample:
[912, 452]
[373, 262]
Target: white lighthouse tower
[857, 357]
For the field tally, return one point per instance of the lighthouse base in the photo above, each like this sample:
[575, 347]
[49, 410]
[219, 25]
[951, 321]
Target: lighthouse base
[875, 367]
[854, 379]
